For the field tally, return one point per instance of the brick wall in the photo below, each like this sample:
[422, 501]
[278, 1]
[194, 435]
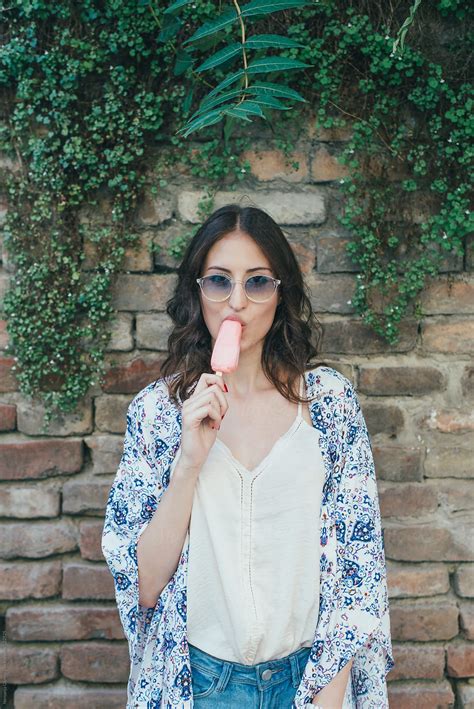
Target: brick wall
[63, 639]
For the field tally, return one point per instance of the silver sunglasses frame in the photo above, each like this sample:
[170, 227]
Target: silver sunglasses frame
[276, 281]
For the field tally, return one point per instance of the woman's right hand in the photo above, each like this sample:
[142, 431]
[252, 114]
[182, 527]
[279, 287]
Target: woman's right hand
[202, 414]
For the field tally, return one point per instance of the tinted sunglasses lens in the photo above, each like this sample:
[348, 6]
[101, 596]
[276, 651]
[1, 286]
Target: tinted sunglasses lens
[216, 287]
[260, 288]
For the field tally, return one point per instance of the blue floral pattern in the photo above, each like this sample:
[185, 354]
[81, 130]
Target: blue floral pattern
[353, 620]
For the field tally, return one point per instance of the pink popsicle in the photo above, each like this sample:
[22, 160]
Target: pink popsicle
[225, 355]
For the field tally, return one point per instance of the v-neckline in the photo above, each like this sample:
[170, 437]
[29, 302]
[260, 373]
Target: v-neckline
[296, 422]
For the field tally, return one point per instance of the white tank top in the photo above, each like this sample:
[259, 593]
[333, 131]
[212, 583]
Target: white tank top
[253, 571]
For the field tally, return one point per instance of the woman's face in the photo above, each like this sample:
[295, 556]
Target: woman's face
[235, 255]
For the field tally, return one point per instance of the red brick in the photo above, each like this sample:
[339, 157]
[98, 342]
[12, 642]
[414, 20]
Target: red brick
[449, 421]
[400, 381]
[8, 381]
[422, 695]
[29, 501]
[30, 665]
[326, 167]
[4, 338]
[417, 661]
[448, 295]
[383, 418]
[95, 662]
[412, 580]
[268, 165]
[85, 496]
[35, 540]
[423, 620]
[19, 580]
[90, 538]
[461, 659]
[467, 619]
[430, 542]
[398, 463]
[464, 580]
[70, 698]
[143, 292]
[451, 335]
[24, 458]
[347, 336]
[7, 417]
[406, 500]
[87, 581]
[63, 622]
[131, 377]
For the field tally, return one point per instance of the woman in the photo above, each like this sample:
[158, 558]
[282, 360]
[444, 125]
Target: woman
[243, 526]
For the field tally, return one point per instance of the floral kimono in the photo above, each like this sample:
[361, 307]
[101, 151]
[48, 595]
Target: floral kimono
[353, 619]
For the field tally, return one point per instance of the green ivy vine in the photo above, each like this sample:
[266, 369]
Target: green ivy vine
[89, 93]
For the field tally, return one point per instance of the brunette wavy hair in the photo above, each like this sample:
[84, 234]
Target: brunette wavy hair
[287, 348]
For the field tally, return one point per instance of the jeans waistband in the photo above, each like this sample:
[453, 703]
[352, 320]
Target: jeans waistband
[263, 674]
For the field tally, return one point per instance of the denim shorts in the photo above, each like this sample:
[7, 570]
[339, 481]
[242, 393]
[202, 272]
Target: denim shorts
[220, 684]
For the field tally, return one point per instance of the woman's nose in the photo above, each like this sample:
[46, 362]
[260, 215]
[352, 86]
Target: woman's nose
[238, 296]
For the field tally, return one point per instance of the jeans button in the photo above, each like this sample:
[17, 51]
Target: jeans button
[267, 674]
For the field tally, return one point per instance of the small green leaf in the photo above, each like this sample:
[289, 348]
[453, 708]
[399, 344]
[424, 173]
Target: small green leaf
[171, 27]
[208, 28]
[220, 57]
[266, 7]
[268, 64]
[207, 120]
[227, 82]
[271, 40]
[176, 6]
[183, 62]
[273, 89]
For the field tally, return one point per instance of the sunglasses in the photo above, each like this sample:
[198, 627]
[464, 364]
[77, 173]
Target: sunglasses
[219, 287]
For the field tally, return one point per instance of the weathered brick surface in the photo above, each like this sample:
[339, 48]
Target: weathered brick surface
[63, 622]
[407, 580]
[383, 418]
[331, 294]
[431, 541]
[417, 661]
[31, 419]
[325, 167]
[424, 620]
[406, 499]
[355, 337]
[465, 693]
[35, 579]
[460, 659]
[29, 501]
[400, 381]
[30, 665]
[121, 333]
[22, 458]
[268, 165]
[35, 540]
[449, 420]
[456, 461]
[332, 256]
[450, 335]
[85, 496]
[141, 292]
[464, 580]
[152, 331]
[467, 619]
[90, 534]
[455, 296]
[8, 380]
[95, 662]
[71, 697]
[468, 381]
[86, 581]
[304, 206]
[421, 695]
[154, 210]
[105, 452]
[133, 375]
[111, 412]
[398, 463]
[7, 417]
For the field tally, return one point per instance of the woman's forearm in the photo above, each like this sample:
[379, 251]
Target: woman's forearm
[159, 547]
[332, 695]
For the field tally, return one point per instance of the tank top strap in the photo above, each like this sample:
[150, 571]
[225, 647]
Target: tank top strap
[300, 405]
